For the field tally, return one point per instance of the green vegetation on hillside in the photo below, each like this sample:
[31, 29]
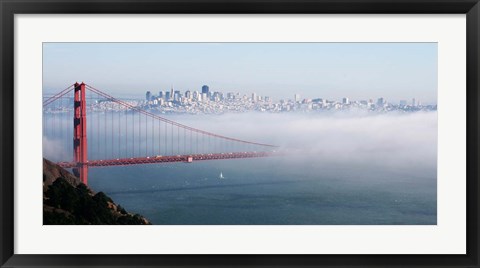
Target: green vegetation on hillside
[68, 201]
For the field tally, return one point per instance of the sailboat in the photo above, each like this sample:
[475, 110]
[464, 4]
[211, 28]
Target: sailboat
[221, 176]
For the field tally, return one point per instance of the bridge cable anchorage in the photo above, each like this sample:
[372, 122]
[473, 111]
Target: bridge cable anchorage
[173, 123]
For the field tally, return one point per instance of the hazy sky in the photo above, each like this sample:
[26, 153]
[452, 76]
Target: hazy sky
[395, 71]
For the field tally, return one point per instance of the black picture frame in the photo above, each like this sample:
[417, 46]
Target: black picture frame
[9, 8]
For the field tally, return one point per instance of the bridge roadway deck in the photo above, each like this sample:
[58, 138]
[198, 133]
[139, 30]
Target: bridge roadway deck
[166, 159]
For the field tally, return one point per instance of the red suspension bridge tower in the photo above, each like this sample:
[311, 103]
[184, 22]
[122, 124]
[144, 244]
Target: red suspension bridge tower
[80, 133]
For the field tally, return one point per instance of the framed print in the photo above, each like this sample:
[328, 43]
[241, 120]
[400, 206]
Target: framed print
[201, 133]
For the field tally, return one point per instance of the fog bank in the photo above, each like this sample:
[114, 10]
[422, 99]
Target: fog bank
[401, 140]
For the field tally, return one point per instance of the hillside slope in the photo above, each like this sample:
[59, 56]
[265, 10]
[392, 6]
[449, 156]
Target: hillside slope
[68, 201]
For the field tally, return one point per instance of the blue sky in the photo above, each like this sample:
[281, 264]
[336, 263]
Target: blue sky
[359, 71]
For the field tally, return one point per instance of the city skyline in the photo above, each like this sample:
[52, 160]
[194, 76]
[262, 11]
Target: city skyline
[206, 101]
[394, 71]
[175, 94]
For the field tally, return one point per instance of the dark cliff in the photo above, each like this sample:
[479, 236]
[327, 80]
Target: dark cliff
[68, 201]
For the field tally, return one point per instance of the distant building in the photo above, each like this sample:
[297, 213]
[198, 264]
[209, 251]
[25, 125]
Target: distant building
[403, 103]
[176, 95]
[217, 96]
[196, 96]
[161, 94]
[254, 97]
[413, 102]
[205, 89]
[297, 97]
[188, 94]
[148, 96]
[346, 101]
[167, 96]
[380, 102]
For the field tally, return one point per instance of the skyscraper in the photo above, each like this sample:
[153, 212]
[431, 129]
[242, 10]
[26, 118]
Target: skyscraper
[188, 94]
[205, 89]
[297, 97]
[346, 101]
[148, 96]
[176, 95]
[196, 95]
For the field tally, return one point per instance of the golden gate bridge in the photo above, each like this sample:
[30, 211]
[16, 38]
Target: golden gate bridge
[121, 133]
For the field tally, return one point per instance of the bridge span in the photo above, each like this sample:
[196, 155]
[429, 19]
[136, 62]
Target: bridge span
[166, 159]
